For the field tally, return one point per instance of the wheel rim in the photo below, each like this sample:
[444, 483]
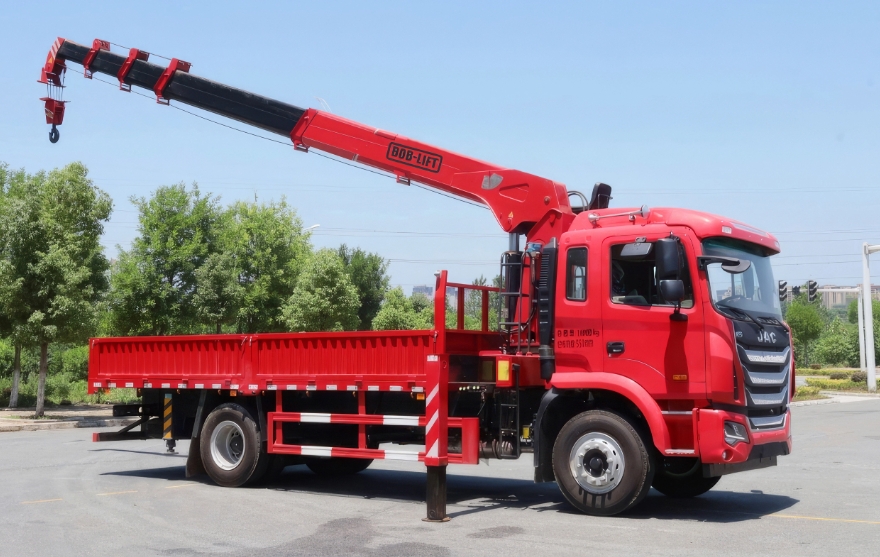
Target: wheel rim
[227, 445]
[596, 462]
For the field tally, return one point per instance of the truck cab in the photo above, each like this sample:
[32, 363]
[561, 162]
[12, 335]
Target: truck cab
[704, 367]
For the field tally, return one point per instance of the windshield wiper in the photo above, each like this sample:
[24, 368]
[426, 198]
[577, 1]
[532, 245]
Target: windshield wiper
[742, 312]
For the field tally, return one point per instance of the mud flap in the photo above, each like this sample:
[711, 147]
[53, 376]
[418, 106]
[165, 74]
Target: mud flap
[194, 464]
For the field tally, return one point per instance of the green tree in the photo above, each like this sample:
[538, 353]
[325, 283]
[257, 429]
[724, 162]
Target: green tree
[416, 312]
[269, 248]
[838, 345]
[324, 298]
[806, 325]
[852, 311]
[218, 293]
[473, 304]
[153, 283]
[12, 187]
[369, 274]
[398, 313]
[50, 231]
[853, 317]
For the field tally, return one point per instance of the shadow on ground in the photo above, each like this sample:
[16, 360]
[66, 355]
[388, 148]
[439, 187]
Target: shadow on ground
[347, 536]
[151, 453]
[474, 494]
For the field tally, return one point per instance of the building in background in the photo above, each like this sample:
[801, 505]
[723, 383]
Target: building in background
[423, 289]
[832, 299]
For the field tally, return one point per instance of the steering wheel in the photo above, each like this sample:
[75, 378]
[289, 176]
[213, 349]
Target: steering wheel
[734, 297]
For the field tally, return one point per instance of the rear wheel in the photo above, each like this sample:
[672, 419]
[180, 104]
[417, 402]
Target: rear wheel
[230, 447]
[601, 463]
[682, 477]
[335, 466]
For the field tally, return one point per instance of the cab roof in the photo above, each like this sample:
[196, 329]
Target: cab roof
[704, 225]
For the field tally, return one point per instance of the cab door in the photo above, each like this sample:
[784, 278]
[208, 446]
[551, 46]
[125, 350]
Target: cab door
[665, 356]
[578, 319]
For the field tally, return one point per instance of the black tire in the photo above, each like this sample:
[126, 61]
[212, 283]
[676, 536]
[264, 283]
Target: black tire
[682, 478]
[335, 466]
[247, 462]
[601, 434]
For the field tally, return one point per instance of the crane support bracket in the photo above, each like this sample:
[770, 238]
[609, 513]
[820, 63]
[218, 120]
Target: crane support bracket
[133, 54]
[166, 76]
[97, 45]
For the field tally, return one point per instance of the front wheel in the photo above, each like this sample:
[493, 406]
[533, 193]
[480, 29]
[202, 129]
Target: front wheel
[231, 448]
[682, 478]
[601, 463]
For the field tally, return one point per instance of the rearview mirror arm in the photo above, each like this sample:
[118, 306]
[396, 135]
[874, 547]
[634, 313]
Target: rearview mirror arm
[732, 265]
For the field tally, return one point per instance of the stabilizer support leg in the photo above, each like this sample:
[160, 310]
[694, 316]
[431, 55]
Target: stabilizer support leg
[436, 494]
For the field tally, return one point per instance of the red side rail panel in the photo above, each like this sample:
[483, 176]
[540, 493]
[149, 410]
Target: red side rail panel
[369, 360]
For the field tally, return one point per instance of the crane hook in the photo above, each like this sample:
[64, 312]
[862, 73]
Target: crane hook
[54, 135]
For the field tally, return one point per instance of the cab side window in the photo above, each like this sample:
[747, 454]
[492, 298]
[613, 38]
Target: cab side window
[634, 277]
[576, 274]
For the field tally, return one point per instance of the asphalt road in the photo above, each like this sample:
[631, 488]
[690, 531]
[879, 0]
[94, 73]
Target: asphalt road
[60, 494]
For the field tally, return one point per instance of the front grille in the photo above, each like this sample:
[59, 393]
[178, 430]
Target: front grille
[765, 374]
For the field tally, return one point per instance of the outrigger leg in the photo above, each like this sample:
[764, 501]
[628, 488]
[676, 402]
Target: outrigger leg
[436, 494]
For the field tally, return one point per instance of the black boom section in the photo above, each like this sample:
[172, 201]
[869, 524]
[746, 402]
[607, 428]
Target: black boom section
[248, 108]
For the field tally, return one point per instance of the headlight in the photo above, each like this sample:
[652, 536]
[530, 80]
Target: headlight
[735, 432]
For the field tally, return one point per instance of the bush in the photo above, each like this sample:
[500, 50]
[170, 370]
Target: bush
[839, 375]
[806, 393]
[62, 389]
[859, 377]
[836, 384]
[815, 366]
[824, 372]
[75, 362]
[838, 345]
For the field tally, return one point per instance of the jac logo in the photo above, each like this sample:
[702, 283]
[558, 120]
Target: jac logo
[764, 336]
[414, 157]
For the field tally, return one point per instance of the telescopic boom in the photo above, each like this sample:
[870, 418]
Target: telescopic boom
[522, 203]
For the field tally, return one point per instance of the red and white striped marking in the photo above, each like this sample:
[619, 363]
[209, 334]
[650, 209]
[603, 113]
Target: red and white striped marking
[366, 419]
[343, 452]
[470, 428]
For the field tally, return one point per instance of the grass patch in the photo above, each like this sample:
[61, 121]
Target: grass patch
[838, 384]
[807, 393]
[824, 372]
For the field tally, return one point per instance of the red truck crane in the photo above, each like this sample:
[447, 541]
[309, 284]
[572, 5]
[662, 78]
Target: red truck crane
[634, 348]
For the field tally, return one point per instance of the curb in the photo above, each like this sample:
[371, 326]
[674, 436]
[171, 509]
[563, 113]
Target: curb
[849, 393]
[66, 424]
[815, 402]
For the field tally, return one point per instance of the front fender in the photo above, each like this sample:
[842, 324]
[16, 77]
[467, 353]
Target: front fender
[625, 387]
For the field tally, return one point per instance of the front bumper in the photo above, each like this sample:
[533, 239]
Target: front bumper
[759, 451]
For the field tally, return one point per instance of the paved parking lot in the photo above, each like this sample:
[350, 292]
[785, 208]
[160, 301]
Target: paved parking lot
[63, 495]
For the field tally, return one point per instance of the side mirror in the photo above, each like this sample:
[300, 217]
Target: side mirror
[672, 291]
[667, 259]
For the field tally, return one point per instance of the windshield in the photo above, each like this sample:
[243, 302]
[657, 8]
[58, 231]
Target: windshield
[754, 291]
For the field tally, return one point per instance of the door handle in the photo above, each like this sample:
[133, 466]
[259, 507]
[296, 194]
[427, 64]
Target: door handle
[615, 348]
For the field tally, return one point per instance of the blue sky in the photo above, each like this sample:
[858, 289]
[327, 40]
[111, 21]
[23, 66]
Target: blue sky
[768, 113]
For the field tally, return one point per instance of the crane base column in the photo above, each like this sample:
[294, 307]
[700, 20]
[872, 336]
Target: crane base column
[436, 494]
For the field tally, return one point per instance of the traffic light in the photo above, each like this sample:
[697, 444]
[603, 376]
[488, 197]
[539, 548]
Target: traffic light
[783, 291]
[812, 290]
[795, 291]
